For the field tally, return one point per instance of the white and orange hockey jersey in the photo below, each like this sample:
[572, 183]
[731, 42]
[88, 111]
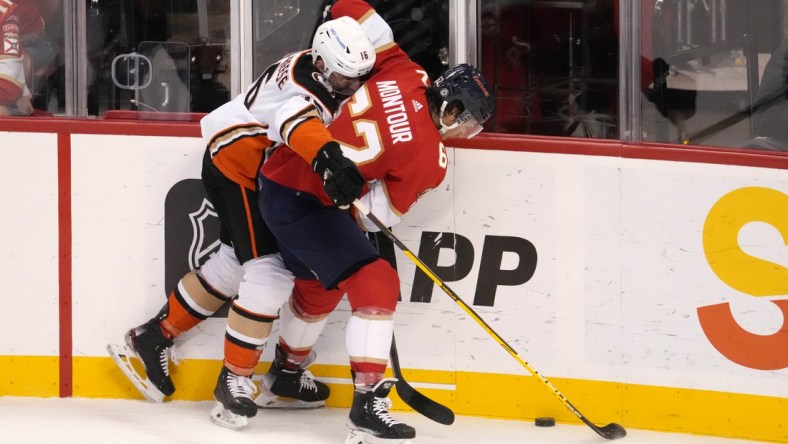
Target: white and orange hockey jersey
[289, 103]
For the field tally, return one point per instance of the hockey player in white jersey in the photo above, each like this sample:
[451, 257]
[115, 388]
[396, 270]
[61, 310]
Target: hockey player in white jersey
[291, 103]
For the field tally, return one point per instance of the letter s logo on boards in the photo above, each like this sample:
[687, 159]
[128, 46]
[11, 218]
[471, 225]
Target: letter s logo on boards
[748, 274]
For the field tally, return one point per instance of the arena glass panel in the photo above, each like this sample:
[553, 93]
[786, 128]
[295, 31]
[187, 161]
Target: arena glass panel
[171, 56]
[421, 28]
[553, 66]
[713, 72]
[184, 51]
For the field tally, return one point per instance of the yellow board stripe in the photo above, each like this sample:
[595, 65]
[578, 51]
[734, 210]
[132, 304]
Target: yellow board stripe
[30, 376]
[523, 397]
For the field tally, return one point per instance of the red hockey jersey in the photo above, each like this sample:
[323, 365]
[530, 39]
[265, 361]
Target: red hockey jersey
[385, 128]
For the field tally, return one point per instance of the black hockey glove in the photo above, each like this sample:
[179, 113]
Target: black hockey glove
[341, 178]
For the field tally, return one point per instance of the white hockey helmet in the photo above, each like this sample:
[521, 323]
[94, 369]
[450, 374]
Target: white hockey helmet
[344, 47]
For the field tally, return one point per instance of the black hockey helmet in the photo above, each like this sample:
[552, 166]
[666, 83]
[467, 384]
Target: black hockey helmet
[466, 83]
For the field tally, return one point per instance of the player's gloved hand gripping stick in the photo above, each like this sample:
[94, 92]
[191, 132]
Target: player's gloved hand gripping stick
[610, 431]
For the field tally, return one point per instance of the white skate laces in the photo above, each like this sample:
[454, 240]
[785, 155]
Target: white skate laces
[307, 381]
[166, 355]
[380, 407]
[369, 419]
[296, 390]
[234, 404]
[241, 386]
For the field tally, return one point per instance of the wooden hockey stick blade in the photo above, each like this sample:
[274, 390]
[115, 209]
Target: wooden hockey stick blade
[415, 399]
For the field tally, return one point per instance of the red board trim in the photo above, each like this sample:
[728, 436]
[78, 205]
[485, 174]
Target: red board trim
[66, 371]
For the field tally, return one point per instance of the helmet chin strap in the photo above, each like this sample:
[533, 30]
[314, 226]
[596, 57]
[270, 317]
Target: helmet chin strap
[446, 128]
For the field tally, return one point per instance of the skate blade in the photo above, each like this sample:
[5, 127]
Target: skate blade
[122, 355]
[267, 400]
[227, 419]
[356, 436]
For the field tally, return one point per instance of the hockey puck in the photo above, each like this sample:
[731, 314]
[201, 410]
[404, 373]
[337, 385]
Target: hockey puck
[544, 422]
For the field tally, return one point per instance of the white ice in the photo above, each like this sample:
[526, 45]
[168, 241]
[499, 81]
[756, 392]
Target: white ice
[88, 421]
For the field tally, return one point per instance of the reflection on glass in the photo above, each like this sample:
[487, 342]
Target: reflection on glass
[281, 27]
[711, 72]
[421, 28]
[186, 43]
[170, 79]
[770, 109]
[553, 65]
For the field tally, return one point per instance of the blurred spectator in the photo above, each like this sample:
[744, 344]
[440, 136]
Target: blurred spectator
[25, 49]
[677, 105]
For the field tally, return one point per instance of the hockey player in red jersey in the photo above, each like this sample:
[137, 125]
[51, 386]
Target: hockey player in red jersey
[291, 102]
[392, 132]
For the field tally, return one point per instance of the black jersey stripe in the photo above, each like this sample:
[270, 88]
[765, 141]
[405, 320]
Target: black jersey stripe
[256, 128]
[304, 75]
[217, 145]
[292, 122]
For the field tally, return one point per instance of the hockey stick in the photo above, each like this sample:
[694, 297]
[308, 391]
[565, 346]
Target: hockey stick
[419, 402]
[610, 431]
[412, 397]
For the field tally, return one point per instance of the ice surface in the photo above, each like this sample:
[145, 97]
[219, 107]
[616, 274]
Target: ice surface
[88, 421]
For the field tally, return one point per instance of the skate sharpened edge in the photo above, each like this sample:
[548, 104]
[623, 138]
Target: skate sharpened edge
[227, 419]
[356, 436]
[267, 400]
[122, 356]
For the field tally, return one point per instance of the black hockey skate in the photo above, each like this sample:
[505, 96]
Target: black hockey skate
[148, 344]
[234, 400]
[291, 389]
[370, 418]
